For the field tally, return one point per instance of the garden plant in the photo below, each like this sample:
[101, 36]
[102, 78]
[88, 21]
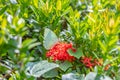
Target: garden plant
[59, 39]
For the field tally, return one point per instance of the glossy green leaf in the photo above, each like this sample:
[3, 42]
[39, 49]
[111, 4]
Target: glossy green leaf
[50, 74]
[34, 44]
[3, 10]
[65, 65]
[27, 42]
[102, 46]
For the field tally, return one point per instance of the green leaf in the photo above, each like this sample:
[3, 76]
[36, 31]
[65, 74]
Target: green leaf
[65, 65]
[117, 75]
[76, 54]
[40, 68]
[102, 45]
[28, 42]
[36, 3]
[103, 78]
[34, 44]
[72, 76]
[58, 5]
[50, 74]
[50, 39]
[3, 10]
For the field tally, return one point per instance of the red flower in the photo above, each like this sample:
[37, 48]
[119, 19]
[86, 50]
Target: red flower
[107, 67]
[87, 61]
[59, 52]
[89, 65]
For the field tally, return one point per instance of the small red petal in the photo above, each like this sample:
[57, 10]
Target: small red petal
[59, 52]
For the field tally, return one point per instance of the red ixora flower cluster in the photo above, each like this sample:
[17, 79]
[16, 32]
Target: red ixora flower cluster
[90, 63]
[59, 52]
